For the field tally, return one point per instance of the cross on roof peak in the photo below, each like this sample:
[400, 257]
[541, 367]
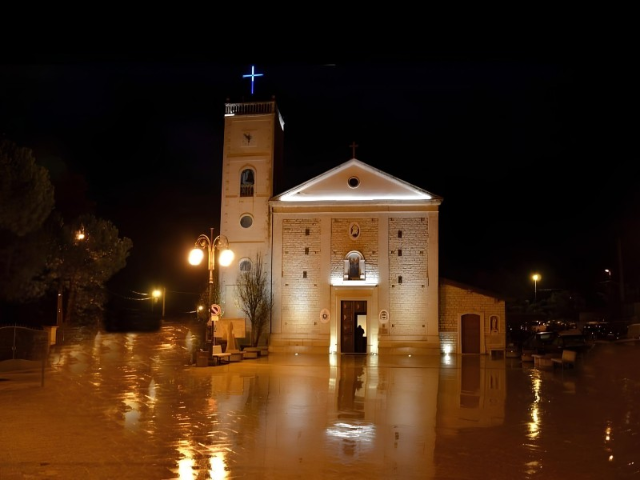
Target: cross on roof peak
[353, 146]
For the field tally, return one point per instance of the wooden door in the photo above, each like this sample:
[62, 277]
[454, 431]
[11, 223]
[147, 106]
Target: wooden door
[470, 333]
[349, 311]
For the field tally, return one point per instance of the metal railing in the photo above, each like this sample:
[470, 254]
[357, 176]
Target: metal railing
[23, 343]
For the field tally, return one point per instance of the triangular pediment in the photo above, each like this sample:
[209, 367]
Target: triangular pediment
[354, 180]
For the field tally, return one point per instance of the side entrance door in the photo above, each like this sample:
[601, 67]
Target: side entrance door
[470, 333]
[349, 312]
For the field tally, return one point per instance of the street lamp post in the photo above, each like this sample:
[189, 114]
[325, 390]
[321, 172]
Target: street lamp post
[535, 278]
[209, 244]
[79, 236]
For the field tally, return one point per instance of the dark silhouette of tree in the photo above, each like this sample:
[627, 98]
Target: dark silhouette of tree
[26, 191]
[40, 253]
[90, 253]
[26, 201]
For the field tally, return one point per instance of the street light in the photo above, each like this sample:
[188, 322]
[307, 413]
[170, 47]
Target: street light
[156, 294]
[208, 243]
[535, 278]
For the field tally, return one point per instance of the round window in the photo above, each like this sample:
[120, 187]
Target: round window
[246, 221]
[353, 182]
[245, 265]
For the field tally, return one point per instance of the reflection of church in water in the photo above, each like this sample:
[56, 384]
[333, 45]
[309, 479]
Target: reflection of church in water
[453, 394]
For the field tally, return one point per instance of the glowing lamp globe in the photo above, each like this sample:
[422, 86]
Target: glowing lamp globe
[226, 257]
[195, 256]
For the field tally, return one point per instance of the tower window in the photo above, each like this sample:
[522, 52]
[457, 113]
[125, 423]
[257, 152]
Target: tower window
[399, 252]
[246, 221]
[304, 274]
[399, 233]
[306, 231]
[247, 181]
[306, 251]
[399, 278]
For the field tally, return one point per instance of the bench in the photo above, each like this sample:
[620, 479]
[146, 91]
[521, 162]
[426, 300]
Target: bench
[219, 357]
[568, 359]
[251, 352]
[235, 355]
[542, 361]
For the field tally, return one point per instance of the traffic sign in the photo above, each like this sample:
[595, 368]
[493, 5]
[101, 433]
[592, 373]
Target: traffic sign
[215, 309]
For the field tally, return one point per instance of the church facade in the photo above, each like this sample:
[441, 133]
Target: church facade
[352, 254]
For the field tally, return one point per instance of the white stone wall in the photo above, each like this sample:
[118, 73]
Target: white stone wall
[301, 297]
[408, 300]
[366, 243]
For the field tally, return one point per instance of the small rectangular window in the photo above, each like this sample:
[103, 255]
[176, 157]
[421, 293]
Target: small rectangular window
[306, 232]
[399, 233]
[399, 278]
[399, 252]
[304, 274]
[306, 251]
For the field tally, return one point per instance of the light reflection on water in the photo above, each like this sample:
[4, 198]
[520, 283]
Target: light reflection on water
[534, 424]
[313, 416]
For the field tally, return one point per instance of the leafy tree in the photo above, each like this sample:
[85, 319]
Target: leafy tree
[26, 201]
[254, 297]
[26, 191]
[40, 253]
[90, 253]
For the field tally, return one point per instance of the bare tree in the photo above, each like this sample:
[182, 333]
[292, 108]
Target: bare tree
[255, 298]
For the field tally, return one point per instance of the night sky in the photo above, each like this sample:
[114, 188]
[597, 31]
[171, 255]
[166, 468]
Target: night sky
[521, 148]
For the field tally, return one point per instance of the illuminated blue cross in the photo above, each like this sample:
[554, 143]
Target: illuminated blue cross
[253, 75]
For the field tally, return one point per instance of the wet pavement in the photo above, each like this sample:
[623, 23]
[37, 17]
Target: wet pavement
[131, 406]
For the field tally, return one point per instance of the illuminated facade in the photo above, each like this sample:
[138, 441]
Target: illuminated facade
[352, 247]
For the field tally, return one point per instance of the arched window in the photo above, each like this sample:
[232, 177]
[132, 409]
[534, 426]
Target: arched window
[247, 181]
[245, 265]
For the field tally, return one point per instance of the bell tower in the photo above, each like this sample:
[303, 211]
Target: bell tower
[252, 160]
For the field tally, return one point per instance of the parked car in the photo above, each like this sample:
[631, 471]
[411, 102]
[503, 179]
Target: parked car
[605, 330]
[538, 343]
[616, 330]
[542, 343]
[595, 330]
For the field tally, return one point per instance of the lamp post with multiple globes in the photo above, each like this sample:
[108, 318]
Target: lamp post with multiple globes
[209, 244]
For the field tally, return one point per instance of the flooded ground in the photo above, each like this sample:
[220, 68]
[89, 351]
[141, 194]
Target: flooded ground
[130, 406]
